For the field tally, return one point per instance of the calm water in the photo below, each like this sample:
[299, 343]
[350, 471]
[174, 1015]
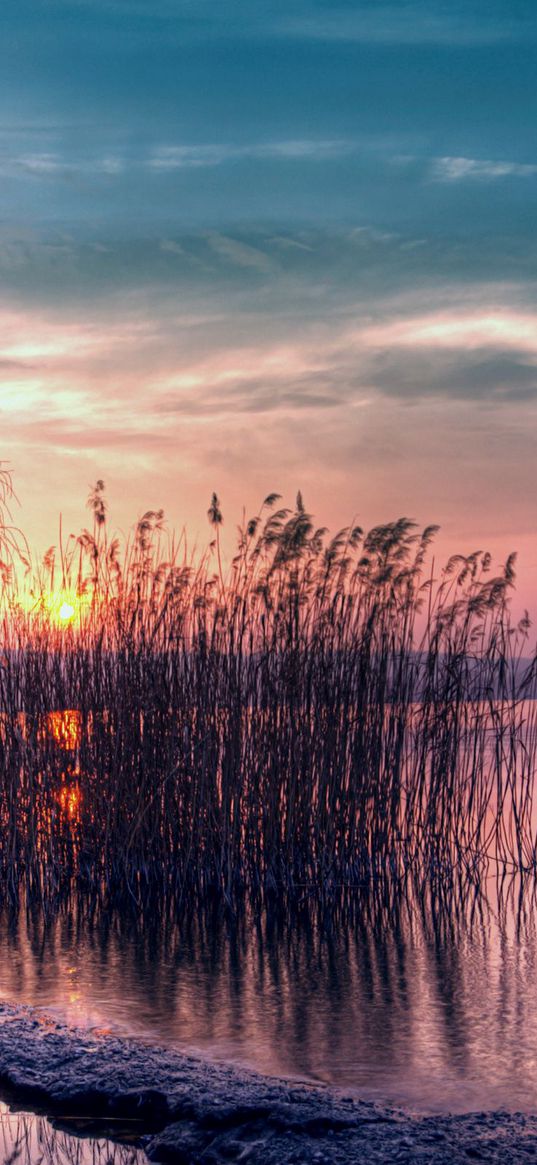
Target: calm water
[389, 1003]
[431, 1008]
[30, 1140]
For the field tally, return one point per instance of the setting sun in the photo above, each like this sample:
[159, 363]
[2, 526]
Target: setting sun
[268, 582]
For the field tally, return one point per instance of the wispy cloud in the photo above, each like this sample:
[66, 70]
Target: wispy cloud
[114, 367]
[169, 394]
[181, 157]
[241, 254]
[458, 169]
[464, 330]
[40, 165]
[406, 23]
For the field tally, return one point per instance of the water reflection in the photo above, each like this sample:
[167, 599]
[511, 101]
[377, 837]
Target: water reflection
[149, 796]
[429, 1002]
[398, 999]
[30, 1140]
[63, 726]
[65, 729]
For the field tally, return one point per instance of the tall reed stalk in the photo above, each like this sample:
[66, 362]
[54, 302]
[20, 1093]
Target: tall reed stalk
[324, 714]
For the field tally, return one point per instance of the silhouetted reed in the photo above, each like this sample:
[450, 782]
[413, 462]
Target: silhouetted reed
[326, 714]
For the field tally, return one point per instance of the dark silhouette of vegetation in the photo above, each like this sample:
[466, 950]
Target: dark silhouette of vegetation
[325, 714]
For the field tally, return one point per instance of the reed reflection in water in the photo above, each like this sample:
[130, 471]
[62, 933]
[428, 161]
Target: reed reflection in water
[429, 1002]
[152, 799]
[26, 1139]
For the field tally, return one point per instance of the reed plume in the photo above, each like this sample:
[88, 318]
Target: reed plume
[323, 714]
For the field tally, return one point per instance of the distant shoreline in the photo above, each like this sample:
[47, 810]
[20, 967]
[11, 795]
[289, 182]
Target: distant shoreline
[192, 1112]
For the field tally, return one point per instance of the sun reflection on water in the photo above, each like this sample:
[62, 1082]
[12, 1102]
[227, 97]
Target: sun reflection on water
[70, 800]
[65, 728]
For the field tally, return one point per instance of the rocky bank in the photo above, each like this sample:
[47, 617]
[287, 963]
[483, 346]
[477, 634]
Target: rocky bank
[192, 1112]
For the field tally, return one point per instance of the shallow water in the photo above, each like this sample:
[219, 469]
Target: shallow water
[402, 1002]
[26, 1139]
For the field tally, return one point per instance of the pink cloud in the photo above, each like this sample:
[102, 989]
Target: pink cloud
[167, 409]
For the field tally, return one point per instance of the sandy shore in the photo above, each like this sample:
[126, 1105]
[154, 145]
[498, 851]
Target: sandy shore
[193, 1112]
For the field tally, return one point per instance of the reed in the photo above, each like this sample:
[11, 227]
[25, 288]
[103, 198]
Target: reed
[327, 713]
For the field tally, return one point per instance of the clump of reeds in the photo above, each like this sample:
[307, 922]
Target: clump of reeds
[324, 713]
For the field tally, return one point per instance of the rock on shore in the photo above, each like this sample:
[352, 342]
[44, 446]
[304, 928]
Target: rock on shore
[192, 1112]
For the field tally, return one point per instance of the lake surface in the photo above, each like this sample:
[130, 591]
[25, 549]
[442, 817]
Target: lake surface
[431, 1008]
[26, 1139]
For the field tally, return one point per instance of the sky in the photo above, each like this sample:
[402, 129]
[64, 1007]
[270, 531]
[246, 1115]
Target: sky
[254, 247]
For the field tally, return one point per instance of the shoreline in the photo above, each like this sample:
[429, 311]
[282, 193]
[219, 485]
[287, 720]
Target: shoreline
[192, 1111]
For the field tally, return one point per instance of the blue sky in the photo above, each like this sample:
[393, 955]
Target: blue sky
[273, 245]
[121, 116]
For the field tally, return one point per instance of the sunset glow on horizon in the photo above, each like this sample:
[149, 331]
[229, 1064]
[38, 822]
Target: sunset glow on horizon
[326, 285]
[268, 580]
